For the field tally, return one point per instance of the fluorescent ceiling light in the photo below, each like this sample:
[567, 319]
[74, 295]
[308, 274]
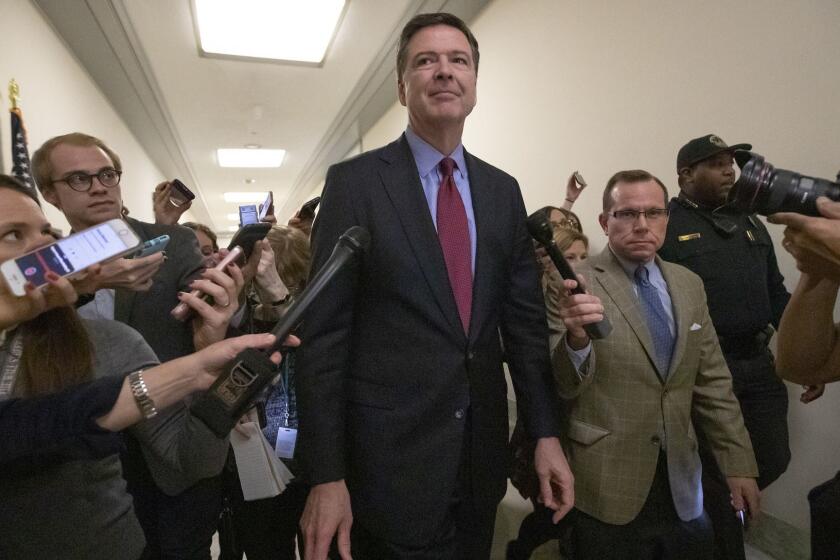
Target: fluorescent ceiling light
[249, 157]
[295, 30]
[243, 197]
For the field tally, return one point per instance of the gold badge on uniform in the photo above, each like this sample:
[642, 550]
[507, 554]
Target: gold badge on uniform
[688, 237]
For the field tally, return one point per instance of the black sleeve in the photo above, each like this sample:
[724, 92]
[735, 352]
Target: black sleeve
[525, 334]
[326, 338]
[38, 426]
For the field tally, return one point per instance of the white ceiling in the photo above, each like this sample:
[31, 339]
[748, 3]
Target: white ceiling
[181, 106]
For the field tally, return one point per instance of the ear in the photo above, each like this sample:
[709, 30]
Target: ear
[50, 196]
[602, 219]
[401, 92]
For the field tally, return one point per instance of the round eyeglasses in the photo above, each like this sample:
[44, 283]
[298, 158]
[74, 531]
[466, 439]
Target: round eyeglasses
[82, 182]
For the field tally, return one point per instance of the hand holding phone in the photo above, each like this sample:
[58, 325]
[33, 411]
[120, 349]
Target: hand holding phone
[183, 311]
[70, 255]
[215, 309]
[170, 200]
[574, 186]
[59, 292]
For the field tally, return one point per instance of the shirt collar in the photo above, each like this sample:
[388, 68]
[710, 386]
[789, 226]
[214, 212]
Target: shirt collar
[427, 157]
[630, 266]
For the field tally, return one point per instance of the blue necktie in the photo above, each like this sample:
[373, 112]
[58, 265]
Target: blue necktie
[657, 320]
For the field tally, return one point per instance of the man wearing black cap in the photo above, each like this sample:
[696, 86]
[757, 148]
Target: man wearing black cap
[733, 254]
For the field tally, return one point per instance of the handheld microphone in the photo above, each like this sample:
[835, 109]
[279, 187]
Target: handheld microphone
[221, 406]
[541, 231]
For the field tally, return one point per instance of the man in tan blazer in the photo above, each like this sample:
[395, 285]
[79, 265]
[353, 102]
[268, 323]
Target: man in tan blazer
[631, 442]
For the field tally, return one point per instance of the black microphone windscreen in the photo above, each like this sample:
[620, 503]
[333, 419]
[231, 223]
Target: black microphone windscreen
[539, 228]
[356, 238]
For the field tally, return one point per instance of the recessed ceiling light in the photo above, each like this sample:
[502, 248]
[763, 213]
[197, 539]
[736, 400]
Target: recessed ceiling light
[297, 31]
[242, 197]
[250, 181]
[246, 157]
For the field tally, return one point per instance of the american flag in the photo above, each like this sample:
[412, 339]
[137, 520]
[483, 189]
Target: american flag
[20, 153]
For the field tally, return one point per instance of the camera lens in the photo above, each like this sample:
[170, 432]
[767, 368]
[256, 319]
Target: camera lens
[765, 190]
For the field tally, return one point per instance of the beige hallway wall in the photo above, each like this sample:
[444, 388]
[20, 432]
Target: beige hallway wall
[58, 96]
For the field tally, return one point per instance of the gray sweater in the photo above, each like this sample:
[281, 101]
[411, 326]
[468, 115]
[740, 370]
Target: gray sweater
[81, 509]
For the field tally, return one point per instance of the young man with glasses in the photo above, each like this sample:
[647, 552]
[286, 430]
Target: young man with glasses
[632, 395]
[80, 175]
[733, 253]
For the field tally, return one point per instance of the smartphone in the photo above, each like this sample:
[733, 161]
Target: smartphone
[152, 246]
[179, 194]
[247, 236]
[579, 179]
[307, 211]
[74, 253]
[248, 214]
[182, 311]
[267, 207]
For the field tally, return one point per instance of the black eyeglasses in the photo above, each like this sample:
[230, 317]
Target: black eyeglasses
[652, 215]
[82, 182]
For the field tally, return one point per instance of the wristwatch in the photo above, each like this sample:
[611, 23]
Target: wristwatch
[141, 395]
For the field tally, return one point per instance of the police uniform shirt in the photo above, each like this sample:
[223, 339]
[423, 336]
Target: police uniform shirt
[744, 288]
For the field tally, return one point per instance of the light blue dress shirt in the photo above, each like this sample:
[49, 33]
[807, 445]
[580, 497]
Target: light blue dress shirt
[427, 159]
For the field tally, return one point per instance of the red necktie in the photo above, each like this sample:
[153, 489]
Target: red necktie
[454, 234]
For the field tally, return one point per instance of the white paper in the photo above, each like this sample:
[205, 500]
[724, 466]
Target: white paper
[261, 473]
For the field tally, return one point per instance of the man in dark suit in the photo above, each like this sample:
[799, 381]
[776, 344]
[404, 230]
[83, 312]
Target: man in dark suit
[80, 175]
[403, 409]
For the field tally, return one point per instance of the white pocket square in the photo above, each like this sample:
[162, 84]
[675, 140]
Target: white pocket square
[694, 327]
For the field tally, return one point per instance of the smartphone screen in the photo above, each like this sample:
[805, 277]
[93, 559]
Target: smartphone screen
[77, 251]
[248, 214]
[267, 207]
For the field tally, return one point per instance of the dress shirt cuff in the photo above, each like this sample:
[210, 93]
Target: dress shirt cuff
[578, 357]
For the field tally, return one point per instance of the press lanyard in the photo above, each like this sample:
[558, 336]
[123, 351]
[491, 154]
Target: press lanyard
[10, 368]
[286, 377]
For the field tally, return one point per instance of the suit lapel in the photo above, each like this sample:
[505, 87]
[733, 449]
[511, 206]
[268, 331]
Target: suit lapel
[482, 202]
[402, 185]
[612, 278]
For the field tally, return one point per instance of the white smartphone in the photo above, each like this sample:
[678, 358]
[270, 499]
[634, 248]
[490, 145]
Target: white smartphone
[72, 254]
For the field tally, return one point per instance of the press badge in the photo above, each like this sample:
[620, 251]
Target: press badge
[284, 447]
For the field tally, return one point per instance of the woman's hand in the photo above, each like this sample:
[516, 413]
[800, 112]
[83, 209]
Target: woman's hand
[211, 320]
[59, 292]
[212, 361]
[270, 286]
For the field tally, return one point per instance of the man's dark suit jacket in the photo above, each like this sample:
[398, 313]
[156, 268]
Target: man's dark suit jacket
[387, 380]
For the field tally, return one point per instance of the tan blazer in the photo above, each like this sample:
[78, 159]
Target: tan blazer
[621, 413]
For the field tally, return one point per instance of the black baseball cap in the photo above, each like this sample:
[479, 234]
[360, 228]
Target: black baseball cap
[703, 148]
